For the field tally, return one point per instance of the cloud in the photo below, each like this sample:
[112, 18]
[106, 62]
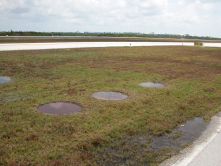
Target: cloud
[169, 16]
[20, 10]
[87, 9]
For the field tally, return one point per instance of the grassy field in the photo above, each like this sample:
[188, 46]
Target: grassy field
[32, 39]
[191, 75]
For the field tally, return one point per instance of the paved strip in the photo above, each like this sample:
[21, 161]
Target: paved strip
[210, 155]
[37, 46]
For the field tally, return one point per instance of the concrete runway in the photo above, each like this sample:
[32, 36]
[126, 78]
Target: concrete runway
[37, 46]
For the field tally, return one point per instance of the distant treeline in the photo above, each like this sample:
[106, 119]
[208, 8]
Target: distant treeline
[33, 33]
[161, 36]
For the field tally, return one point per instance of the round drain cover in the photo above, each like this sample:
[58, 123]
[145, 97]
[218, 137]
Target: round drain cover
[151, 84]
[109, 95]
[59, 108]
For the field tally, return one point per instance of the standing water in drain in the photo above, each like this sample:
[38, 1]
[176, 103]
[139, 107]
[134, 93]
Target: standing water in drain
[59, 108]
[151, 84]
[109, 96]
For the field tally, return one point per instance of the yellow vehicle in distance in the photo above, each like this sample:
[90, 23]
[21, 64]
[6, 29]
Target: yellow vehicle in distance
[198, 44]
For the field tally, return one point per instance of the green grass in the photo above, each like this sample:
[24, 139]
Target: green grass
[191, 75]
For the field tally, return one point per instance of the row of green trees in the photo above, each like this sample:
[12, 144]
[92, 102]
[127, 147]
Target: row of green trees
[33, 33]
[22, 33]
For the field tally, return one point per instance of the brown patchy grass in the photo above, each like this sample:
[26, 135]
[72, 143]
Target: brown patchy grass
[191, 76]
[46, 39]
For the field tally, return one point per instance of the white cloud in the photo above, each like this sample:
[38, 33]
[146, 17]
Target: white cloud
[167, 16]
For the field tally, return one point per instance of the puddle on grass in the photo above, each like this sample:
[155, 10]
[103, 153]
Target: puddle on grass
[59, 108]
[146, 149]
[11, 96]
[151, 84]
[4, 79]
[181, 136]
[109, 96]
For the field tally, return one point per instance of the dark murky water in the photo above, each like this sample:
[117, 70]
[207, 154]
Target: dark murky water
[151, 84]
[59, 108]
[184, 134]
[109, 96]
[142, 150]
[4, 79]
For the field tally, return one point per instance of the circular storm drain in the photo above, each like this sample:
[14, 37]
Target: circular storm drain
[59, 108]
[4, 79]
[151, 84]
[109, 95]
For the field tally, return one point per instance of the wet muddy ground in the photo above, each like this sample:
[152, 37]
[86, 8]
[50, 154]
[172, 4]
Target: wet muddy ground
[145, 149]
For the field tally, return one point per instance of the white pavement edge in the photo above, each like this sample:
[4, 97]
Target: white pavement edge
[187, 155]
[62, 45]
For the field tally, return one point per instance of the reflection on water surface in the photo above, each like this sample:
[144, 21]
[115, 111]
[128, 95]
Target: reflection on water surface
[151, 84]
[109, 96]
[59, 108]
[4, 79]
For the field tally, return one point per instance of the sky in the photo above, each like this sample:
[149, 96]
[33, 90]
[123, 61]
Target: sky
[193, 17]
